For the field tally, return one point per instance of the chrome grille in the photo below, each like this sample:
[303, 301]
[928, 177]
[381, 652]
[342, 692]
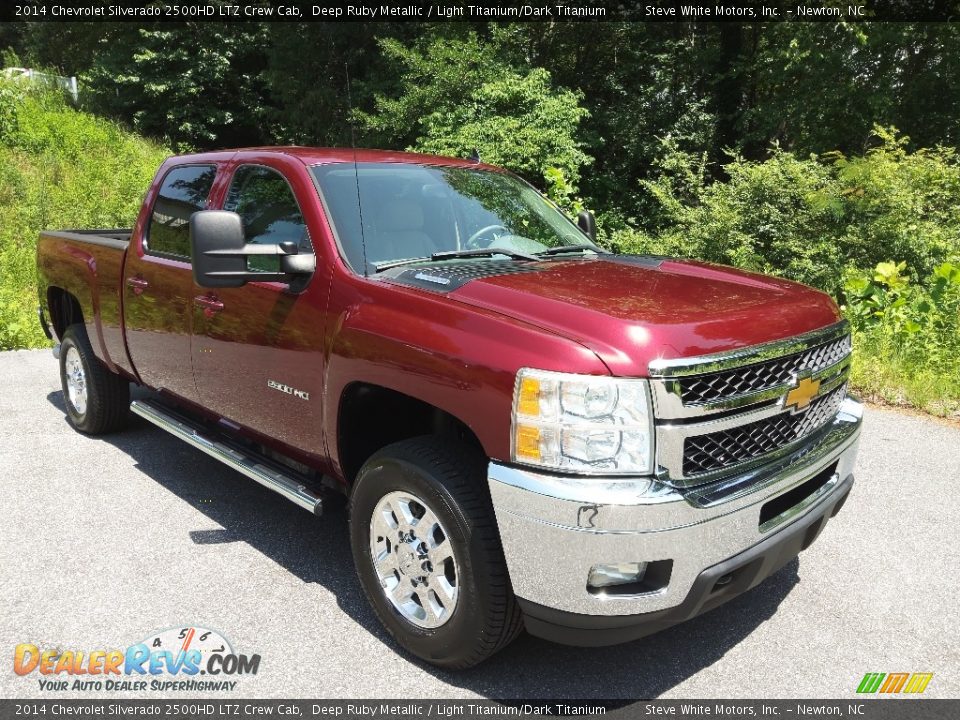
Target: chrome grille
[700, 389]
[728, 412]
[718, 450]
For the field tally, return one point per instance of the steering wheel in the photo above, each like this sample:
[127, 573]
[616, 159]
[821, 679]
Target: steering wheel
[472, 240]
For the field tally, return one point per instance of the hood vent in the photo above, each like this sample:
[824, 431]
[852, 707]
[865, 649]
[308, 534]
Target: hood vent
[447, 277]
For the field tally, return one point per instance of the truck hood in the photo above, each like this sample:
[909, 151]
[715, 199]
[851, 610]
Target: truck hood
[631, 310]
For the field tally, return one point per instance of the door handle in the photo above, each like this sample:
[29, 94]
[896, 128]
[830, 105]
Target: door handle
[137, 284]
[211, 304]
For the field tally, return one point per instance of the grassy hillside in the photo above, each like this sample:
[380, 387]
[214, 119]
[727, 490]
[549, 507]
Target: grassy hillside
[59, 168]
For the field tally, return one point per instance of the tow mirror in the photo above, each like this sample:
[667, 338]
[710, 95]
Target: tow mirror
[588, 224]
[219, 252]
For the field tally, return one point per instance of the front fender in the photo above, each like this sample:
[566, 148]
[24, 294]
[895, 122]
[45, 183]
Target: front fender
[458, 358]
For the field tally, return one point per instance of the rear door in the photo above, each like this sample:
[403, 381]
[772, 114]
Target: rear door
[159, 288]
[258, 349]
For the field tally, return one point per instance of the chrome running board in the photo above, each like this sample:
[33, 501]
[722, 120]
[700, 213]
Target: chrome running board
[252, 465]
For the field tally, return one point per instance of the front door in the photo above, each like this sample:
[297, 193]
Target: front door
[158, 283]
[258, 349]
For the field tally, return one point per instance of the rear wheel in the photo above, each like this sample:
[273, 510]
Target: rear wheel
[97, 400]
[428, 552]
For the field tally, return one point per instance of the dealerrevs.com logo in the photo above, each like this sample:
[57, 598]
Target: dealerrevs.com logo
[177, 659]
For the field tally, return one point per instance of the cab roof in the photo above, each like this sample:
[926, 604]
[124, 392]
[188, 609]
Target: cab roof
[324, 155]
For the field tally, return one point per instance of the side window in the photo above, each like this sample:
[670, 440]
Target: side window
[264, 201]
[183, 192]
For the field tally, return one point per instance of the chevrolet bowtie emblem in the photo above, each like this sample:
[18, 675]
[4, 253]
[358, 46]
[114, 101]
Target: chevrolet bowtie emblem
[802, 394]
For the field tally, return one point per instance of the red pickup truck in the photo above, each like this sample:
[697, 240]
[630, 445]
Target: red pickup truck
[531, 431]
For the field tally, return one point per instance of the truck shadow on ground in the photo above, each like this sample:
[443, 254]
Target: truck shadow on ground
[530, 668]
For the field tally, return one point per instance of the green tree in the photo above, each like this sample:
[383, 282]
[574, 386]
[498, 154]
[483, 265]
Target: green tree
[195, 85]
[816, 87]
[810, 218]
[457, 95]
[307, 69]
[640, 82]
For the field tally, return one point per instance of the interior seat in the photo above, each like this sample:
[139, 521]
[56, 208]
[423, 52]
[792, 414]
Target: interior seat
[399, 232]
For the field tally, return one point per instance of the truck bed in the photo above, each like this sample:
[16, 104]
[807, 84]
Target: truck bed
[88, 266]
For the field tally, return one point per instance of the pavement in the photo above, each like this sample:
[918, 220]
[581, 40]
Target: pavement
[104, 541]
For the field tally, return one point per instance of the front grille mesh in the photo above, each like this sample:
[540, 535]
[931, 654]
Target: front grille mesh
[718, 450]
[712, 387]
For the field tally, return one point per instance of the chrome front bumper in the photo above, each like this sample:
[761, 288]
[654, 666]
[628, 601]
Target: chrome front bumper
[555, 528]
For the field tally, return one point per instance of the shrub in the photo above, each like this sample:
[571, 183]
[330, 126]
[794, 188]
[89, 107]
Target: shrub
[907, 335]
[833, 222]
[807, 219]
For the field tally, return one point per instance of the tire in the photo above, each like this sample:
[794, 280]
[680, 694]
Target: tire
[448, 480]
[97, 400]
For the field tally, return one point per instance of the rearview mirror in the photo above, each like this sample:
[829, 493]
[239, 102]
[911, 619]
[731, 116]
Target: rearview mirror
[588, 224]
[219, 252]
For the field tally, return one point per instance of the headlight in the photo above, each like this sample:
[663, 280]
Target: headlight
[582, 423]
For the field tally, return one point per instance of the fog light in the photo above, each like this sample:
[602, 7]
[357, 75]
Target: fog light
[602, 576]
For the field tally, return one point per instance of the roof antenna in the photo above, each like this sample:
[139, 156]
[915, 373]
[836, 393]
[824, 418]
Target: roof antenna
[475, 156]
[356, 172]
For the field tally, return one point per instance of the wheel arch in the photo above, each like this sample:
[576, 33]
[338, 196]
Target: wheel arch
[371, 416]
[64, 309]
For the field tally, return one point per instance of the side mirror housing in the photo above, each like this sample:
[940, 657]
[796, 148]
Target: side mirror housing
[219, 252]
[212, 232]
[588, 224]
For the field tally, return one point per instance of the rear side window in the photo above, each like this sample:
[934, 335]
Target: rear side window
[184, 191]
[270, 213]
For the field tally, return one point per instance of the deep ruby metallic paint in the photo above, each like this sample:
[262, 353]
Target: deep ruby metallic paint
[460, 352]
[91, 274]
[631, 314]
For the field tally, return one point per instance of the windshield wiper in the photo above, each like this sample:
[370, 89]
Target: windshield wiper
[569, 248]
[482, 252]
[453, 255]
[387, 264]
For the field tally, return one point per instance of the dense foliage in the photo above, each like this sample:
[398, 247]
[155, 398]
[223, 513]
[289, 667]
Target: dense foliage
[807, 218]
[811, 87]
[59, 168]
[833, 222]
[767, 146]
[908, 335]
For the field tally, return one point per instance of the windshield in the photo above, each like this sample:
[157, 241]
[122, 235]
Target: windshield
[413, 211]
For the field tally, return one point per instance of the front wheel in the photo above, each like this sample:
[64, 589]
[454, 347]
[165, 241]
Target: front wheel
[428, 553]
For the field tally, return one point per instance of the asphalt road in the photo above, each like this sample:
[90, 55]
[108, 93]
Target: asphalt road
[103, 541]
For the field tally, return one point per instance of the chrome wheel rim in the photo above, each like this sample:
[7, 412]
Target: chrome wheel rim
[413, 559]
[76, 381]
